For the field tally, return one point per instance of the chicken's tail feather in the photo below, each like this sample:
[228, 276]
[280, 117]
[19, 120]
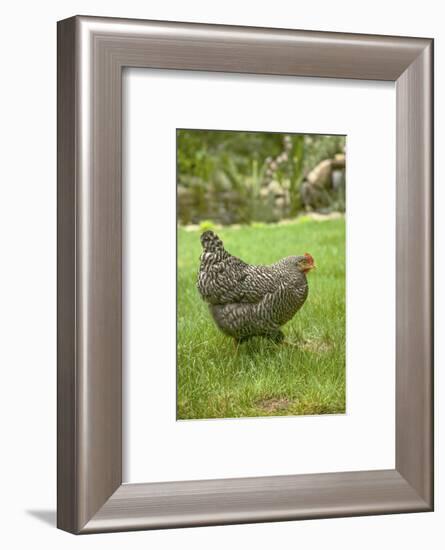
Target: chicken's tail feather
[211, 242]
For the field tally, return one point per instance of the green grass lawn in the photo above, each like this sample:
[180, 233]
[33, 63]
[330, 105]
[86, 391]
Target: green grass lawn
[262, 378]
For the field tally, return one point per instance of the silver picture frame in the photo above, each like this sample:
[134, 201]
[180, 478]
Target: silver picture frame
[92, 53]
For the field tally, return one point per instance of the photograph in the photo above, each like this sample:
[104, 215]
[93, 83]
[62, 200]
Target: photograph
[261, 274]
[222, 242]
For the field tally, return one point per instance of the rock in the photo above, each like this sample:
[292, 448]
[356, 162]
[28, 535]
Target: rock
[280, 202]
[275, 188]
[324, 184]
[339, 161]
[338, 179]
[321, 174]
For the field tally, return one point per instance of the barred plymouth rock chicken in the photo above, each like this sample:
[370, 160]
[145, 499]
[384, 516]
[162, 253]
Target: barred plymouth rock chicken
[251, 300]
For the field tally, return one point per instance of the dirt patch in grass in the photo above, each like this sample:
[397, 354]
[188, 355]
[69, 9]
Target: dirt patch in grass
[280, 406]
[316, 346]
[273, 405]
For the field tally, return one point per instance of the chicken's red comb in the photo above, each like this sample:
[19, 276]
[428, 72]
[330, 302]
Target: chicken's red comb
[309, 258]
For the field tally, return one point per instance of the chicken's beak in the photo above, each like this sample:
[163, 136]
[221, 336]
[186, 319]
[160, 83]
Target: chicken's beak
[308, 267]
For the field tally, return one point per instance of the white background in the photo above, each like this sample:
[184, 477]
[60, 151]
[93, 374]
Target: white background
[362, 439]
[28, 273]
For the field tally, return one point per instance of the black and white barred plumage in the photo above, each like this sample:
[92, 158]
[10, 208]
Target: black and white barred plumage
[251, 300]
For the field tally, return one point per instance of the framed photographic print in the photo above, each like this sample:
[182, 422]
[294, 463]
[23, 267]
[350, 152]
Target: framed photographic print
[244, 274]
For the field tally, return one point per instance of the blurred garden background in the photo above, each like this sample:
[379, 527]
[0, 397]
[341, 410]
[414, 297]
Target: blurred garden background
[243, 177]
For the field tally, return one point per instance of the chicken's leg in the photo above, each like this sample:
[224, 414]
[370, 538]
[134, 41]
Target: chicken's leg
[287, 343]
[277, 337]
